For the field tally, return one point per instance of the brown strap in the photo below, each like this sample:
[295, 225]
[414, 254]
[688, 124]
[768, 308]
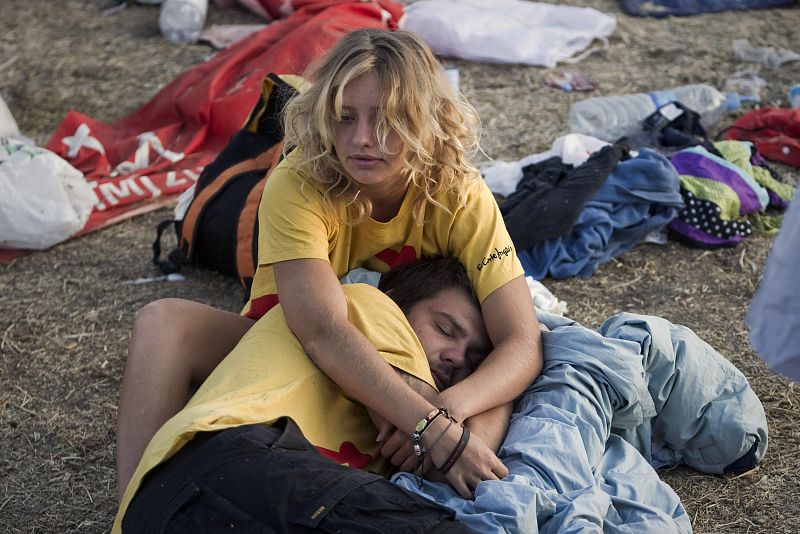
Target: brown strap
[457, 451]
[245, 230]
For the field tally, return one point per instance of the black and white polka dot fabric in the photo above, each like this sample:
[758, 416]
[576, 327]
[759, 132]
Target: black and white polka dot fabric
[704, 215]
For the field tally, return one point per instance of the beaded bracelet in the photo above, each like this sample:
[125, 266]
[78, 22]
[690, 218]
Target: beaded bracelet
[422, 426]
[457, 451]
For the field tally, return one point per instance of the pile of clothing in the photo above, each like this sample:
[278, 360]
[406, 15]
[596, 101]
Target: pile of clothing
[584, 202]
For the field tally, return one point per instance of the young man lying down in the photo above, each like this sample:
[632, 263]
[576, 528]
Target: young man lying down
[579, 448]
[219, 464]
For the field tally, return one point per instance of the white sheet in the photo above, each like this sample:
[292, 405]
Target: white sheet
[507, 31]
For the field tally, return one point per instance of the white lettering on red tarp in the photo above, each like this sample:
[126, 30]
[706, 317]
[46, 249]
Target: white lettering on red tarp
[141, 158]
[113, 193]
[82, 139]
[174, 181]
[156, 192]
[135, 189]
[193, 176]
[98, 205]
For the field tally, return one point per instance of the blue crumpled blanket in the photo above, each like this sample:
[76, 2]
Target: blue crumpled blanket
[641, 195]
[607, 405]
[665, 8]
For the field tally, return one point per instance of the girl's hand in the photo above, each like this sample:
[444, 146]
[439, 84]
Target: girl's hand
[476, 464]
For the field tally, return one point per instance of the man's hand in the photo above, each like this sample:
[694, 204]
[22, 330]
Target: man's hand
[475, 464]
[396, 447]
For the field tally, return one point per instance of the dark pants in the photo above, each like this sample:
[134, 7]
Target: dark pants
[271, 479]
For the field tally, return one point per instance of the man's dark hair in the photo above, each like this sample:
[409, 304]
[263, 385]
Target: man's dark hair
[422, 279]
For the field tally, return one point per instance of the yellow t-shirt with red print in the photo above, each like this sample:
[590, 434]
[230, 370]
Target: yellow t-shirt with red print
[268, 375]
[294, 224]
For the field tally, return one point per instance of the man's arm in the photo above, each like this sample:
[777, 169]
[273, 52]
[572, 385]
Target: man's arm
[492, 425]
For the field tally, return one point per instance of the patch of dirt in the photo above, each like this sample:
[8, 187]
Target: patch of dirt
[65, 314]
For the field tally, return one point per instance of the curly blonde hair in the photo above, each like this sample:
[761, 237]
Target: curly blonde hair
[437, 125]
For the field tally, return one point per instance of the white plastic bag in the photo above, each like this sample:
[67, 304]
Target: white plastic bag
[765, 55]
[43, 199]
[543, 298]
[8, 126]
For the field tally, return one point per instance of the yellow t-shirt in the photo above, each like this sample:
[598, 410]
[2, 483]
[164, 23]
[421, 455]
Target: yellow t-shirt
[268, 375]
[294, 224]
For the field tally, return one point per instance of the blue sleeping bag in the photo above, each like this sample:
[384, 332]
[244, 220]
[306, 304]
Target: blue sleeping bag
[608, 405]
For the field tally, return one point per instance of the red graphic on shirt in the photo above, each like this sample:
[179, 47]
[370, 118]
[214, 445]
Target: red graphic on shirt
[348, 454]
[406, 256]
[261, 305]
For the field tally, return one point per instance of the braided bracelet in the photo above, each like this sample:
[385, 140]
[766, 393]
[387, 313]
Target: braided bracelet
[422, 426]
[456, 454]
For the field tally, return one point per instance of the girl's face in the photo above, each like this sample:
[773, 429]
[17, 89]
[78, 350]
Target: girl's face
[356, 141]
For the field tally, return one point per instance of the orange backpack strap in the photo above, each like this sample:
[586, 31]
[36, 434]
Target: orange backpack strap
[199, 202]
[246, 243]
[219, 229]
[263, 121]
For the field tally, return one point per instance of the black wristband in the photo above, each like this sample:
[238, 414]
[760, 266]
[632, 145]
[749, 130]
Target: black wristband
[457, 451]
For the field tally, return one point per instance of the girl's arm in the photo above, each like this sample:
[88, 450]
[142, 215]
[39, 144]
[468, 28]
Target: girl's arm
[316, 310]
[492, 425]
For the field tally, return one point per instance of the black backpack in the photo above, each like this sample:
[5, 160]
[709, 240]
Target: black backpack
[220, 227]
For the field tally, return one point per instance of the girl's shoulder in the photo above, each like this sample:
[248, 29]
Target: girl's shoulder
[470, 189]
[289, 167]
[290, 179]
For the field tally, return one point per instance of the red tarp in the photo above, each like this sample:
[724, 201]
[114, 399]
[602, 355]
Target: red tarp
[160, 149]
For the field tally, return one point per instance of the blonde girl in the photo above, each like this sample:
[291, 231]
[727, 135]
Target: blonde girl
[377, 176]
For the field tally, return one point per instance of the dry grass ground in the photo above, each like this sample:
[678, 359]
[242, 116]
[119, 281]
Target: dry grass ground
[65, 315]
